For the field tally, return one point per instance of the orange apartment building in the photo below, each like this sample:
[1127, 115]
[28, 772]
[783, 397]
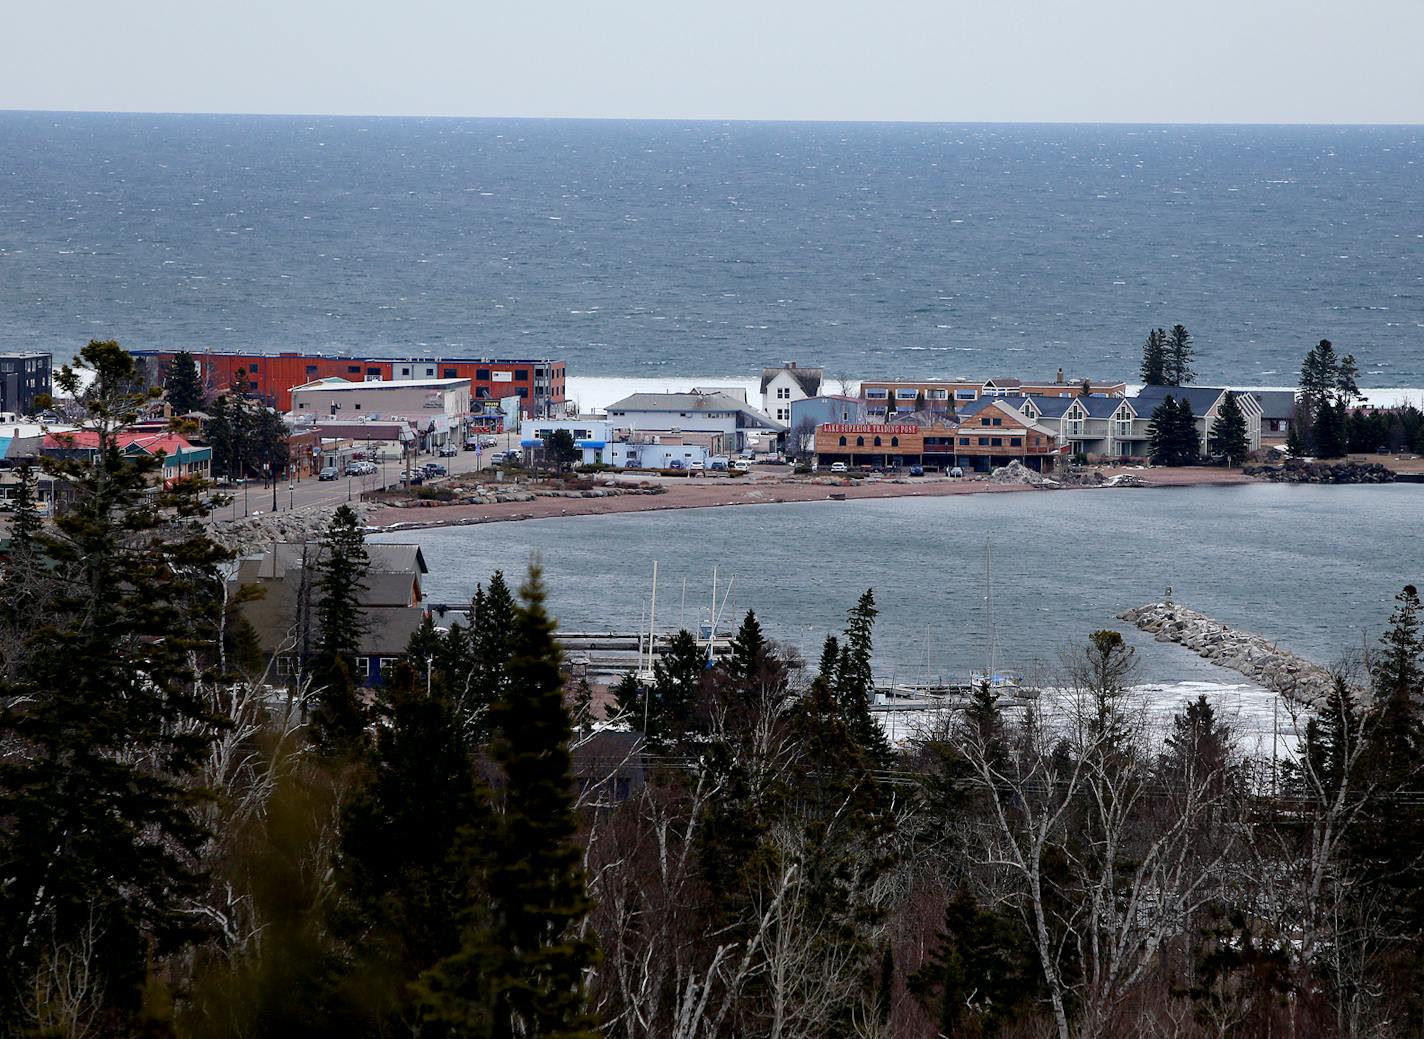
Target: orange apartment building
[539, 384]
[995, 435]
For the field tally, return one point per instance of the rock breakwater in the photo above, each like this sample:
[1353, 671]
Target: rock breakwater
[1254, 656]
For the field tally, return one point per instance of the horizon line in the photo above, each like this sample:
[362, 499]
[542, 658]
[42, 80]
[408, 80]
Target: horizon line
[5, 109]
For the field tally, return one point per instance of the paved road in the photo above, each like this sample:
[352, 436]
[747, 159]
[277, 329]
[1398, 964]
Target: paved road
[255, 497]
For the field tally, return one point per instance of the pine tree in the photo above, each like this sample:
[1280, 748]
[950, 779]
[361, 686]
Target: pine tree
[1154, 358]
[1179, 357]
[103, 727]
[1296, 446]
[537, 886]
[855, 681]
[1228, 431]
[748, 654]
[1198, 748]
[488, 648]
[631, 701]
[339, 717]
[411, 871]
[1347, 380]
[184, 384]
[1319, 375]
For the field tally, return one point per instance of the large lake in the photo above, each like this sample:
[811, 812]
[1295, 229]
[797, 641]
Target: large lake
[1315, 568]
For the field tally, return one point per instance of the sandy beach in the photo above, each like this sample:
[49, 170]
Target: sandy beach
[715, 492]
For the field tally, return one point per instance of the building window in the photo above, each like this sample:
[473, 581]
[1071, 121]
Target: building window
[450, 373]
[963, 441]
[983, 441]
[983, 422]
[938, 395]
[996, 442]
[894, 441]
[311, 371]
[252, 367]
[1016, 441]
[843, 441]
[522, 392]
[965, 395]
[357, 407]
[860, 441]
[877, 441]
[522, 374]
[286, 665]
[405, 371]
[353, 369]
[363, 666]
[998, 422]
[876, 394]
[909, 394]
[482, 374]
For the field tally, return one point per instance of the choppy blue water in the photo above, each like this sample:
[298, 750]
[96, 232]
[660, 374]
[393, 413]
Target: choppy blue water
[644, 248]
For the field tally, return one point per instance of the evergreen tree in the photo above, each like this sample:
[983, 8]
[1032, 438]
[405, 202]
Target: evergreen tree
[1228, 431]
[561, 450]
[339, 717]
[24, 580]
[748, 656]
[537, 886]
[855, 681]
[411, 869]
[488, 648]
[631, 701]
[1329, 429]
[1347, 380]
[1179, 357]
[1172, 435]
[184, 384]
[1154, 358]
[677, 677]
[270, 454]
[1319, 375]
[982, 974]
[103, 727]
[1198, 748]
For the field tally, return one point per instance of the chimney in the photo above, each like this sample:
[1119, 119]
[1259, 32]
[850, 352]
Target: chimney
[1060, 376]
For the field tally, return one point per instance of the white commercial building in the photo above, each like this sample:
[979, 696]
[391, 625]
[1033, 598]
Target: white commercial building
[438, 409]
[591, 435]
[723, 423]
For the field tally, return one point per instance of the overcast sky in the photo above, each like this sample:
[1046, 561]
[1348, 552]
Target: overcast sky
[1322, 61]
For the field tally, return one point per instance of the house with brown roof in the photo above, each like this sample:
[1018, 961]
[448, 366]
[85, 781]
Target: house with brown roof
[284, 613]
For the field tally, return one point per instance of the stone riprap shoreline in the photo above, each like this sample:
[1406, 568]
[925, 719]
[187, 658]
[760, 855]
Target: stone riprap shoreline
[1298, 471]
[1254, 656]
[255, 533]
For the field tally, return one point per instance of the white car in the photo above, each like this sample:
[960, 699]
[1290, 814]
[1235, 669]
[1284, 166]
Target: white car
[838, 467]
[742, 465]
[695, 467]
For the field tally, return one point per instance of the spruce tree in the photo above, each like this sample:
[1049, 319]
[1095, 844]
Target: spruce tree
[184, 384]
[982, 974]
[103, 724]
[488, 647]
[1172, 433]
[677, 678]
[855, 681]
[339, 718]
[411, 872]
[1154, 358]
[537, 885]
[1329, 429]
[1228, 431]
[1179, 355]
[632, 701]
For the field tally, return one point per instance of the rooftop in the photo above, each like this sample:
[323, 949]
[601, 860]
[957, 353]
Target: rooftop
[334, 385]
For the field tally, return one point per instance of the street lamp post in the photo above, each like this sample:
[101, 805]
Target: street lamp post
[291, 494]
[272, 475]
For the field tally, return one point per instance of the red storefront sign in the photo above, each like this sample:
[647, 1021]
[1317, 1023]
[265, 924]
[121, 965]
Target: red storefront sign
[866, 427]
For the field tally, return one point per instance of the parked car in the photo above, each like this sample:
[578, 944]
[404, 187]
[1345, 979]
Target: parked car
[839, 467]
[434, 469]
[489, 440]
[471, 443]
[328, 473]
[413, 479]
[449, 451]
[675, 463]
[956, 472]
[695, 467]
[742, 465]
[917, 470]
